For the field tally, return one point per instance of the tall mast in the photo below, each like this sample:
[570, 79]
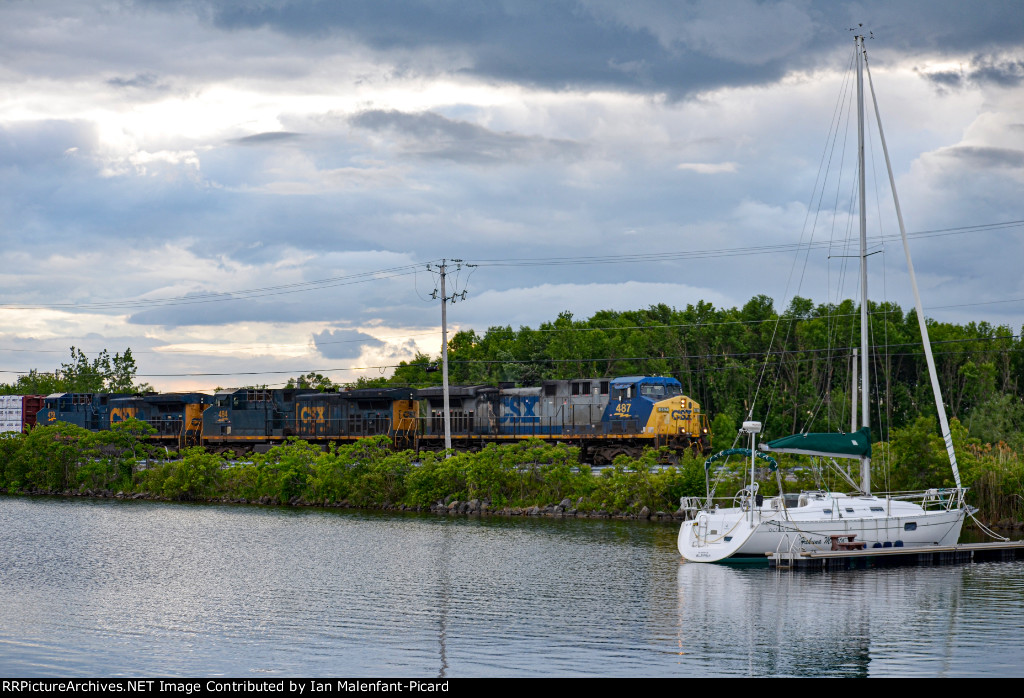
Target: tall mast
[853, 392]
[865, 402]
[940, 408]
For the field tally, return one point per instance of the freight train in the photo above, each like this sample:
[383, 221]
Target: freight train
[603, 417]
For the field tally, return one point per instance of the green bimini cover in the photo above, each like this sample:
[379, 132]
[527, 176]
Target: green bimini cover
[855, 445]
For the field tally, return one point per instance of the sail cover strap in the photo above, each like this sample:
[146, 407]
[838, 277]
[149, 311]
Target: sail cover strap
[855, 445]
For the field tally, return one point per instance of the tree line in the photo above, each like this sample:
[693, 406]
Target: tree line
[67, 459]
[789, 369]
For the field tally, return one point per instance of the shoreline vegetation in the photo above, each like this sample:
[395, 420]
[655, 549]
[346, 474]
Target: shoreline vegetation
[794, 364]
[529, 478]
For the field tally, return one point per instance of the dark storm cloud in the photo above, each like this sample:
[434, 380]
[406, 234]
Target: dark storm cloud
[981, 157]
[560, 44]
[944, 78]
[142, 81]
[269, 137]
[942, 25]
[982, 70]
[344, 344]
[678, 48]
[434, 136]
[1005, 73]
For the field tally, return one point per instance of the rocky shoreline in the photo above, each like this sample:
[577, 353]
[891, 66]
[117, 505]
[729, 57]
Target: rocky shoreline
[564, 509]
[449, 507]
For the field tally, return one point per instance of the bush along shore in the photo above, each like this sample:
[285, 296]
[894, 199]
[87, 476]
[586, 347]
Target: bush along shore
[524, 478]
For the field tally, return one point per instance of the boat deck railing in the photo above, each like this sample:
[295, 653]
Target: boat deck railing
[930, 499]
[934, 498]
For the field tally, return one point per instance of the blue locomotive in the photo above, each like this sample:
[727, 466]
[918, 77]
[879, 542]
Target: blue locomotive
[176, 417]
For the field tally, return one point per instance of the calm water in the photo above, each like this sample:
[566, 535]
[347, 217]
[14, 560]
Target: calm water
[115, 588]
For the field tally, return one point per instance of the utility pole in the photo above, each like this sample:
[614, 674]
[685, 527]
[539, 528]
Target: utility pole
[442, 270]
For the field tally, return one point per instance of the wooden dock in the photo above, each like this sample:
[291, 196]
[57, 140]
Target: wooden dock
[897, 556]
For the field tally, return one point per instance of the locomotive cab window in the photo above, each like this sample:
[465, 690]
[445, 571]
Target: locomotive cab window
[653, 391]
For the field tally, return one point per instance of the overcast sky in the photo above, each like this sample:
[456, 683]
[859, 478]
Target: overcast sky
[312, 158]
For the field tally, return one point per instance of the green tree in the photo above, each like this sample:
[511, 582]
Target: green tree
[313, 380]
[104, 374]
[52, 456]
[124, 445]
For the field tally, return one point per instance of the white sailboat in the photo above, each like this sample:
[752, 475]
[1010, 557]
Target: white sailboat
[756, 526]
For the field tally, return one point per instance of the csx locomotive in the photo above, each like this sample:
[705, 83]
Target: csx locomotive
[604, 417]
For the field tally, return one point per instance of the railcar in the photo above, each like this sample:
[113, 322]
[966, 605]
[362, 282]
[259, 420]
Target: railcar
[247, 419]
[176, 417]
[554, 408]
[18, 412]
[88, 410]
[354, 414]
[473, 415]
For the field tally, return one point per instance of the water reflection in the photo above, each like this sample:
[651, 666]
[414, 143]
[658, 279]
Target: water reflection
[140, 588]
[945, 621]
[760, 622]
[443, 553]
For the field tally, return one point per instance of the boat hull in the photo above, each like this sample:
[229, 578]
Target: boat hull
[722, 534]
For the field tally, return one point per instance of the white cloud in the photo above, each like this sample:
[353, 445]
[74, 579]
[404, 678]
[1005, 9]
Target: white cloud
[707, 167]
[239, 164]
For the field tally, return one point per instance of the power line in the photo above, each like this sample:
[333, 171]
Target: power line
[220, 296]
[405, 270]
[731, 251]
[791, 353]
